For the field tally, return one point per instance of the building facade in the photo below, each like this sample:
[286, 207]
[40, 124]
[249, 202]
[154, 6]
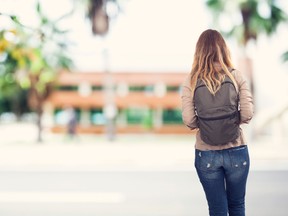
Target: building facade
[140, 102]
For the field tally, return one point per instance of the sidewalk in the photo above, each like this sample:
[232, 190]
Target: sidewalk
[127, 153]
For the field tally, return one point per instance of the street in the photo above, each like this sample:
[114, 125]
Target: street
[136, 175]
[128, 193]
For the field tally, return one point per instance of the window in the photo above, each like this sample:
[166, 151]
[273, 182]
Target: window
[97, 88]
[97, 117]
[67, 88]
[172, 88]
[148, 88]
[61, 117]
[139, 116]
[172, 116]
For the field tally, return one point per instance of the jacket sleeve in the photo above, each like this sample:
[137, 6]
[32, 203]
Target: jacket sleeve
[188, 111]
[246, 99]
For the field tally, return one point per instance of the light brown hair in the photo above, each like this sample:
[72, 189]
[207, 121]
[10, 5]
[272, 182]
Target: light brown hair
[211, 62]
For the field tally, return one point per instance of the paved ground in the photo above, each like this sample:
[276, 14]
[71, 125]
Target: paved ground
[129, 194]
[136, 175]
[128, 152]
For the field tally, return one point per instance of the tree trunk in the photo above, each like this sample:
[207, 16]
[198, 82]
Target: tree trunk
[16, 108]
[39, 124]
[36, 100]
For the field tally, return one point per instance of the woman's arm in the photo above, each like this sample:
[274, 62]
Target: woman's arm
[188, 111]
[246, 99]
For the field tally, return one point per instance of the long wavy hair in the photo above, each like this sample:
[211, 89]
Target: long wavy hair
[211, 62]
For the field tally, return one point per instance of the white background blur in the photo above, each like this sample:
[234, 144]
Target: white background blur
[60, 175]
[160, 35]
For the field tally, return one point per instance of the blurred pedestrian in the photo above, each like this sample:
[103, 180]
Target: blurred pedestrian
[71, 122]
[215, 102]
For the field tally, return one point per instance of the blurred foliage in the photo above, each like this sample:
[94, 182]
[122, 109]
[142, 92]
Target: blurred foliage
[248, 18]
[100, 12]
[30, 59]
[285, 56]
[14, 56]
[245, 20]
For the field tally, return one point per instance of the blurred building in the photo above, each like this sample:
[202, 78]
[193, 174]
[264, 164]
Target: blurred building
[144, 102]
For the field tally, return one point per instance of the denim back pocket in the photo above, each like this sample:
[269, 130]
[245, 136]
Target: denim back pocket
[239, 157]
[204, 160]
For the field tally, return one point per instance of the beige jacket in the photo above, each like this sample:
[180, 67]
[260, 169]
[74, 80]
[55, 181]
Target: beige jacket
[189, 117]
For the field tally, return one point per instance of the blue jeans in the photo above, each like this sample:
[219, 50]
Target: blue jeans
[223, 175]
